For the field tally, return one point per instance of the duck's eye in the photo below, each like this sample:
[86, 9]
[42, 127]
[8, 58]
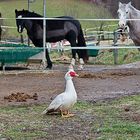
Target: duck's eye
[126, 12]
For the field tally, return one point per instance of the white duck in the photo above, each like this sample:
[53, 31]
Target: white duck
[64, 101]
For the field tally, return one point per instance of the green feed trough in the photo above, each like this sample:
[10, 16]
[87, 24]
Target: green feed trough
[13, 45]
[92, 52]
[13, 53]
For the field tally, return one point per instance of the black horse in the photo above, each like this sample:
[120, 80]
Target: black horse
[56, 30]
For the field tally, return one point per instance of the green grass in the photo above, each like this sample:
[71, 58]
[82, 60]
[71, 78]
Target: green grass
[125, 56]
[105, 57]
[103, 120]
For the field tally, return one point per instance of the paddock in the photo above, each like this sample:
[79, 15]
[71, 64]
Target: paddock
[108, 82]
[108, 94]
[92, 71]
[105, 77]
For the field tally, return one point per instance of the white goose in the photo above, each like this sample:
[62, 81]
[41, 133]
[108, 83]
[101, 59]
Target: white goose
[64, 101]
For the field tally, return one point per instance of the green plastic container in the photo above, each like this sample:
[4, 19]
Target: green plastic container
[13, 45]
[92, 52]
[17, 54]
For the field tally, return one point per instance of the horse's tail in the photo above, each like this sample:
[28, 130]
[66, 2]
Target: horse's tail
[82, 43]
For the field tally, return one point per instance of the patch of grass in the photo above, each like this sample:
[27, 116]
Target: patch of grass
[101, 120]
[116, 125]
[125, 56]
[106, 57]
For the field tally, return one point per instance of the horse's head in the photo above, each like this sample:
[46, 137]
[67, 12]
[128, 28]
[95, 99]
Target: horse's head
[19, 21]
[123, 14]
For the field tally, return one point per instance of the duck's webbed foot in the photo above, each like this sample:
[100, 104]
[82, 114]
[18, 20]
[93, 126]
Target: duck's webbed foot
[66, 114]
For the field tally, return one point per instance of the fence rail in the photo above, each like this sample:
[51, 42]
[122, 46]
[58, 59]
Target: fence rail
[80, 19]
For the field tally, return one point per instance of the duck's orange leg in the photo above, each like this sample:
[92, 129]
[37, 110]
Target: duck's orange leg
[66, 115]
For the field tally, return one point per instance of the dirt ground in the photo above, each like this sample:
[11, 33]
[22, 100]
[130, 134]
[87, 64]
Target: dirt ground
[95, 83]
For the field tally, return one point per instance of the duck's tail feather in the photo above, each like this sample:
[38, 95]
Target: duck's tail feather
[50, 111]
[44, 112]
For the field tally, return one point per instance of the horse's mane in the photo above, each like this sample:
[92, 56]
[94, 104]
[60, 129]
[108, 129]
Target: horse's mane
[27, 13]
[31, 14]
[135, 10]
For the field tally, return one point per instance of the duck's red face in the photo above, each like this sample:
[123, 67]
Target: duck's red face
[73, 74]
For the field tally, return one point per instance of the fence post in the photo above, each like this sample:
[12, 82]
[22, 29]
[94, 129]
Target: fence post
[115, 51]
[44, 34]
[0, 26]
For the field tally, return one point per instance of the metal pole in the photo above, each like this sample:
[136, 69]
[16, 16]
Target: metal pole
[44, 33]
[115, 50]
[28, 4]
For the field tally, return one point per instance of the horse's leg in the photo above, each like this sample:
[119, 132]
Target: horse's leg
[82, 53]
[81, 61]
[0, 32]
[74, 51]
[38, 43]
[71, 37]
[73, 56]
[137, 44]
[49, 62]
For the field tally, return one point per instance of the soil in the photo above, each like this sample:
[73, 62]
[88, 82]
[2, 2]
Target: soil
[95, 83]
[23, 86]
